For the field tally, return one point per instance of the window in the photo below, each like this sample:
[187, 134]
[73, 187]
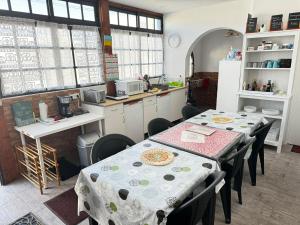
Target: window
[132, 21]
[60, 11]
[87, 53]
[60, 8]
[152, 54]
[39, 7]
[3, 4]
[75, 11]
[38, 56]
[19, 6]
[138, 53]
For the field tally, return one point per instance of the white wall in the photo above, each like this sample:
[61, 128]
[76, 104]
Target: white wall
[212, 48]
[191, 24]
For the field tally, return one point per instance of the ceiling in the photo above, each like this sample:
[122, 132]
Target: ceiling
[167, 6]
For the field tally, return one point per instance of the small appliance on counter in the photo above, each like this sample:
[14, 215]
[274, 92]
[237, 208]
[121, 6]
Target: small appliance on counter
[64, 105]
[129, 87]
[94, 96]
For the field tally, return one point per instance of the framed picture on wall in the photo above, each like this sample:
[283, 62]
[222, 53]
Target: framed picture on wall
[276, 22]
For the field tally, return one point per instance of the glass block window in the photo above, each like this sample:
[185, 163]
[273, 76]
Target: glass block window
[38, 56]
[88, 55]
[138, 53]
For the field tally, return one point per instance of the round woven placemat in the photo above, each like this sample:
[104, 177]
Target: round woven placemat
[222, 119]
[157, 157]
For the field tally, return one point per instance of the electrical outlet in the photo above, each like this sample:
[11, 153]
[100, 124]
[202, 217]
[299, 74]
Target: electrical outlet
[75, 96]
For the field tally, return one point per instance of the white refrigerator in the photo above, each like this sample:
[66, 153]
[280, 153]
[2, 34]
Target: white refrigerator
[228, 85]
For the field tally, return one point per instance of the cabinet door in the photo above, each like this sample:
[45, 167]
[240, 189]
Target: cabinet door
[178, 100]
[163, 106]
[114, 120]
[134, 121]
[150, 111]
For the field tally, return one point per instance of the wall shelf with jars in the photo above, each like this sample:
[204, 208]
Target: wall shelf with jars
[267, 77]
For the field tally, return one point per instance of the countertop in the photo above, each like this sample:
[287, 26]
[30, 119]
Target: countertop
[110, 102]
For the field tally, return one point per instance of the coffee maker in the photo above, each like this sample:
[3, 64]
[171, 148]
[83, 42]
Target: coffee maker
[64, 105]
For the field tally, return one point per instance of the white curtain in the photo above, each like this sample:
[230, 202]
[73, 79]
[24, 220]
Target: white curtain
[138, 53]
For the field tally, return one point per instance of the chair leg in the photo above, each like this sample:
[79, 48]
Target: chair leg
[92, 221]
[262, 160]
[252, 162]
[226, 200]
[238, 181]
[209, 215]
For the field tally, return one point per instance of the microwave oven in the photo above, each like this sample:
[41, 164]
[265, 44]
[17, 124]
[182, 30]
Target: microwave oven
[94, 96]
[129, 87]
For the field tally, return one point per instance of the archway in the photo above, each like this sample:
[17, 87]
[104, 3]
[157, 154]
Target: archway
[206, 52]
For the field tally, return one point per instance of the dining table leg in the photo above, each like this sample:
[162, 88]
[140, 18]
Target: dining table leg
[41, 160]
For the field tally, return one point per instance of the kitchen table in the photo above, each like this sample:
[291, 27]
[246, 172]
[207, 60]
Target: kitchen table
[241, 122]
[214, 146]
[123, 190]
[38, 130]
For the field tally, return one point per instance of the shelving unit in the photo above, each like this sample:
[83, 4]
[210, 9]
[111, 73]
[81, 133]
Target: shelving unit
[282, 77]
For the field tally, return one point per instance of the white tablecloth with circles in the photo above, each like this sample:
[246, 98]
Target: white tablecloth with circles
[123, 190]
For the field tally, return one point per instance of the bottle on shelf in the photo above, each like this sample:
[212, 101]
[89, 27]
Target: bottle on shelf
[269, 86]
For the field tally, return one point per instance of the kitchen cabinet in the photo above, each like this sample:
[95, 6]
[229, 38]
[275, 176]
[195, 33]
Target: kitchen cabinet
[114, 120]
[228, 85]
[163, 106]
[150, 111]
[134, 120]
[178, 100]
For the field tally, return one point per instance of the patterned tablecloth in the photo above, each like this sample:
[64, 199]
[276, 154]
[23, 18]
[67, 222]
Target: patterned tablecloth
[123, 190]
[214, 146]
[242, 122]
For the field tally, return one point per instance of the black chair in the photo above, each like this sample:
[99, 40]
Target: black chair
[258, 150]
[189, 111]
[105, 147]
[201, 206]
[233, 165]
[158, 125]
[109, 145]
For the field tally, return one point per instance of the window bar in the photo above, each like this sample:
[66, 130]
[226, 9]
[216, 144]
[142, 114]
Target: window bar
[73, 56]
[68, 11]
[9, 5]
[50, 8]
[29, 5]
[82, 16]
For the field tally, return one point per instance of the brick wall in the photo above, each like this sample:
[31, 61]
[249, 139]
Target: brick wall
[64, 142]
[206, 97]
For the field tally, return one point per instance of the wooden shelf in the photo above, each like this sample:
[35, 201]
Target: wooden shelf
[29, 165]
[272, 50]
[273, 69]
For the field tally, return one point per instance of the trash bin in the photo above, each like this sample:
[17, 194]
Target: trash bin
[85, 144]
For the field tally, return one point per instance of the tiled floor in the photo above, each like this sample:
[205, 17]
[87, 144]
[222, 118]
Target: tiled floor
[274, 201]
[21, 197]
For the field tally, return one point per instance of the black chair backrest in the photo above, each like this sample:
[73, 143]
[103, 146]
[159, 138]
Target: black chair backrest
[189, 111]
[158, 125]
[238, 157]
[109, 145]
[260, 134]
[192, 211]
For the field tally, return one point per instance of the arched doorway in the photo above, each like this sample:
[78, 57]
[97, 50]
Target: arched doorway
[202, 64]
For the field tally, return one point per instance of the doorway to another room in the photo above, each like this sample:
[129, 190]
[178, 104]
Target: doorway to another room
[204, 58]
